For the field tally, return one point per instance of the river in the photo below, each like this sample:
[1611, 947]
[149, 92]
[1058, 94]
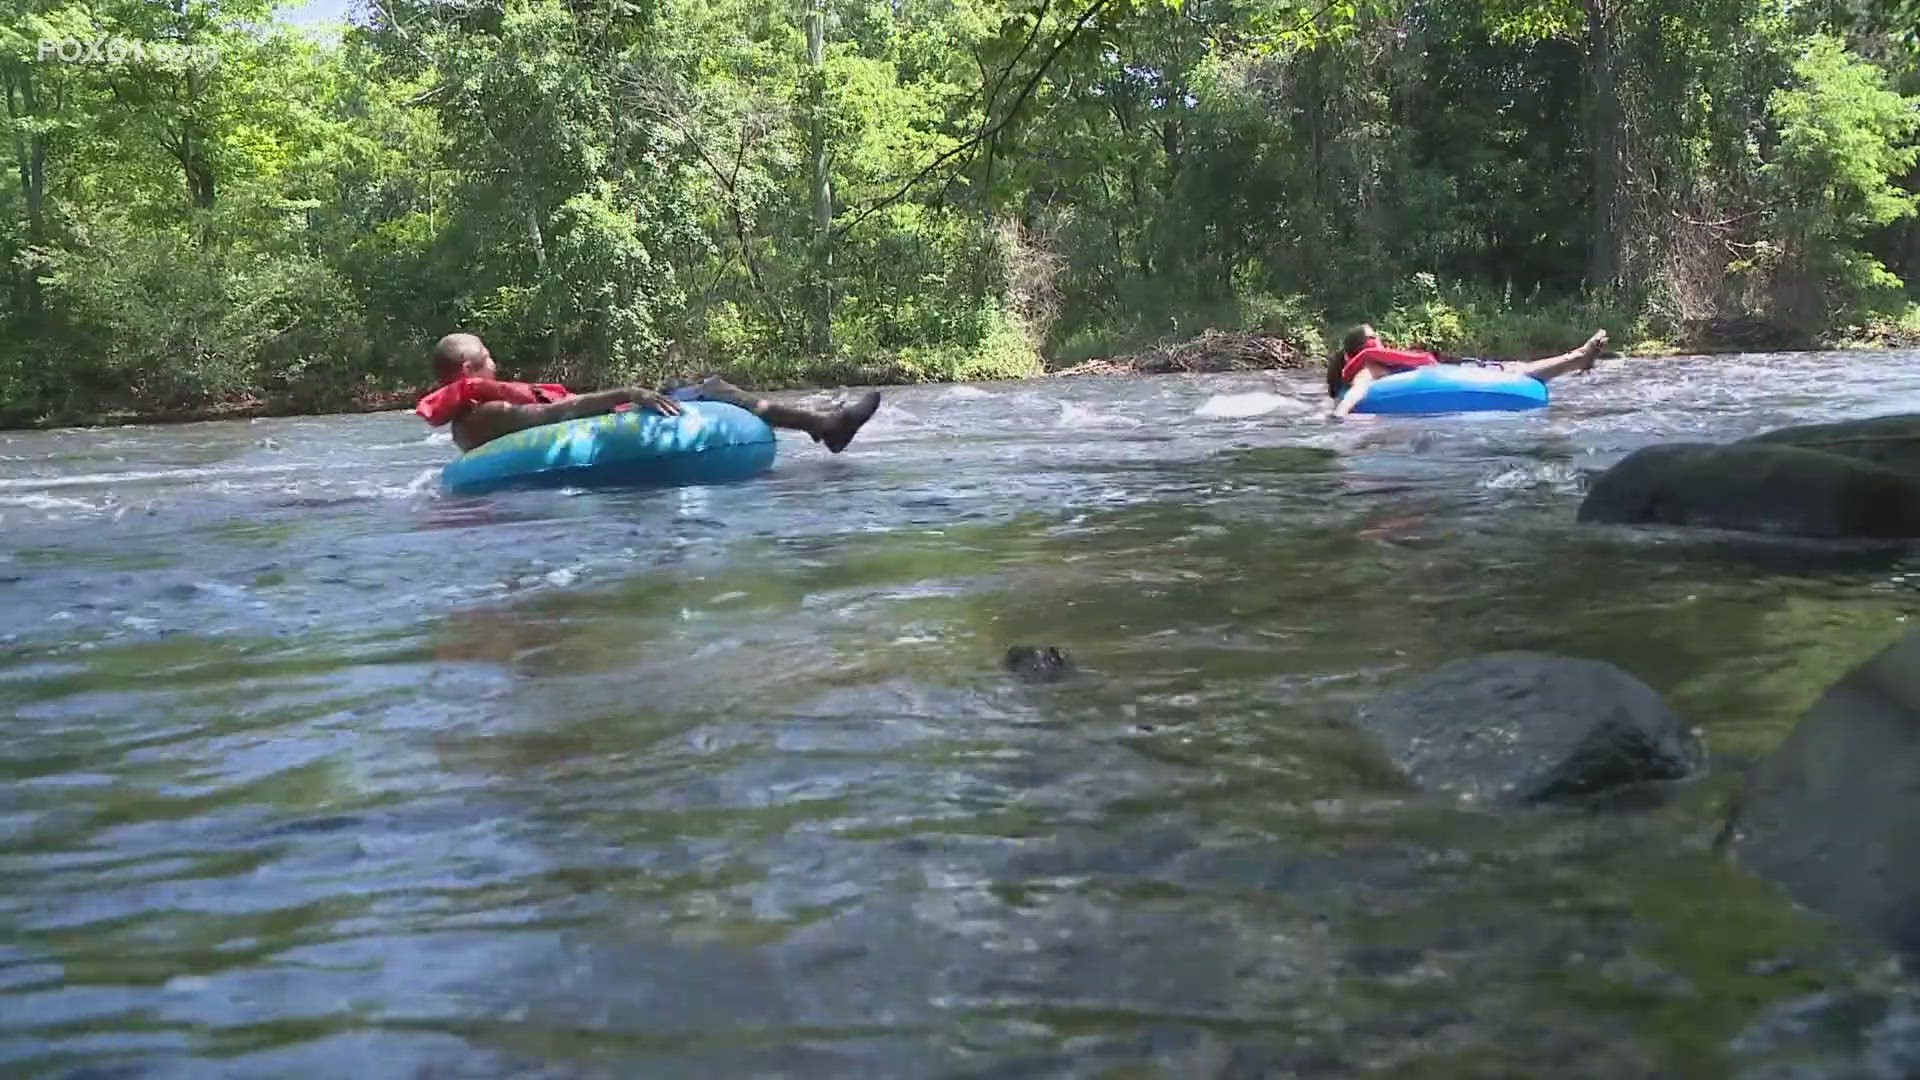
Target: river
[313, 771]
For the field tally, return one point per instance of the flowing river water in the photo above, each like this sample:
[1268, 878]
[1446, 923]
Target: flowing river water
[310, 770]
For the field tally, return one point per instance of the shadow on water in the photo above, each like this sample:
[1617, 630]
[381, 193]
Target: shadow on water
[731, 782]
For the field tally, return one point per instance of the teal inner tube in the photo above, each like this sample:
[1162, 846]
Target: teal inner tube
[710, 442]
[1453, 388]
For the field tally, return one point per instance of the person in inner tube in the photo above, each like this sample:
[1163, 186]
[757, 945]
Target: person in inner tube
[1361, 359]
[482, 407]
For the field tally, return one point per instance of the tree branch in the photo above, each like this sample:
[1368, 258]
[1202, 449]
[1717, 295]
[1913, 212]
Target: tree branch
[973, 142]
[402, 32]
[999, 84]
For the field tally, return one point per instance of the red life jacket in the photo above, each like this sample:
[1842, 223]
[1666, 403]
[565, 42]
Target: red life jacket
[1397, 359]
[446, 404]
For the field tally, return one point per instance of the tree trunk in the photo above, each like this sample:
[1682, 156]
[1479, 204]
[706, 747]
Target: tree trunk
[193, 153]
[1313, 109]
[1140, 223]
[539, 242]
[1907, 264]
[30, 154]
[1603, 239]
[983, 259]
[200, 184]
[822, 336]
[1910, 269]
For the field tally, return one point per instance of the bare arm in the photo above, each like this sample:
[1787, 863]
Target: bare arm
[1362, 379]
[489, 420]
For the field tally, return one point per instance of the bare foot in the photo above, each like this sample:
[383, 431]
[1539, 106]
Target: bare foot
[844, 423]
[1590, 351]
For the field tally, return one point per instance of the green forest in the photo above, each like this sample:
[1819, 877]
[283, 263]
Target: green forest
[206, 207]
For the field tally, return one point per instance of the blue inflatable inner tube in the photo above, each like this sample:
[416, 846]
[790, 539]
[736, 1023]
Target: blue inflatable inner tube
[1453, 388]
[710, 442]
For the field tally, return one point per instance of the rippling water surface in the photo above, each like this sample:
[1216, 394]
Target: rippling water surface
[312, 771]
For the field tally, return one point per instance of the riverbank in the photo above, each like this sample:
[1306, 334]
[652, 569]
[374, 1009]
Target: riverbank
[1212, 351]
[249, 407]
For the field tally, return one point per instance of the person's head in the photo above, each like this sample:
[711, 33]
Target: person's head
[461, 356]
[1352, 343]
[1357, 339]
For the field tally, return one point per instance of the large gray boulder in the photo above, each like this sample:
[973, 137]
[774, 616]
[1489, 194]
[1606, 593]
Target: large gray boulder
[1523, 729]
[1759, 487]
[1833, 814]
[1892, 441]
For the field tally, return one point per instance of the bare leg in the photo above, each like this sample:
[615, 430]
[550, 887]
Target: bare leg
[834, 430]
[1580, 359]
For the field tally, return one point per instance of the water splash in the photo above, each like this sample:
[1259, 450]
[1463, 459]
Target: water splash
[1557, 476]
[1240, 406]
[1075, 415]
[425, 482]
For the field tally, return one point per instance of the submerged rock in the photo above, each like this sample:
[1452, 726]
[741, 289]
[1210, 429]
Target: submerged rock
[1038, 663]
[1833, 815]
[1760, 487]
[1527, 729]
[1891, 441]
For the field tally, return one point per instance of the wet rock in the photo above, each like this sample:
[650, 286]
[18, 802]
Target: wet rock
[1259, 1062]
[1833, 815]
[308, 826]
[1891, 441]
[1789, 556]
[1527, 729]
[1038, 663]
[1383, 961]
[1757, 487]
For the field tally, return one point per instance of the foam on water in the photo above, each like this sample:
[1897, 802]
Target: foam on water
[35, 501]
[159, 475]
[1075, 415]
[422, 483]
[1558, 476]
[1239, 406]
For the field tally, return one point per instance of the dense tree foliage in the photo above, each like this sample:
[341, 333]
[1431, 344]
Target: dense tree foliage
[853, 189]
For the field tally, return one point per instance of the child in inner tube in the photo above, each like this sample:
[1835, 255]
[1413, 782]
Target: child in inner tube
[1361, 359]
[482, 407]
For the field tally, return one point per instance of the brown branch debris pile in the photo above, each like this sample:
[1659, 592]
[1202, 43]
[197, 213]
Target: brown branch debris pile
[1212, 352]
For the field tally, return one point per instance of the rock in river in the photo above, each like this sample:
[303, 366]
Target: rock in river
[1526, 729]
[1038, 663]
[1833, 815]
[1892, 441]
[1755, 486]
